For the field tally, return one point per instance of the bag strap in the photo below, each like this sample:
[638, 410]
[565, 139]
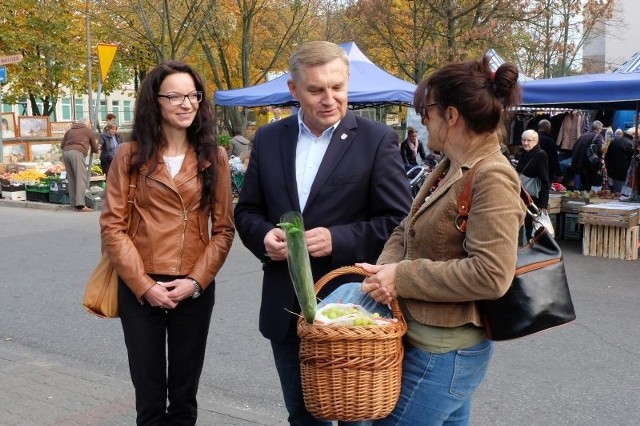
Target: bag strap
[464, 200]
[525, 167]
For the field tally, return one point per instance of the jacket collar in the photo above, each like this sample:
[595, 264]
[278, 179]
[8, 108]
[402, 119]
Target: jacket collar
[490, 147]
[341, 139]
[188, 170]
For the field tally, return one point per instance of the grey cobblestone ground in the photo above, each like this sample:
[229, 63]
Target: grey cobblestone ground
[37, 392]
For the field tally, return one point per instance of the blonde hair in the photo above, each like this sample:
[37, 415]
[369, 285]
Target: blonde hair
[313, 54]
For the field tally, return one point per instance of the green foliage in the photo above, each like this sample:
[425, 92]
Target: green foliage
[224, 141]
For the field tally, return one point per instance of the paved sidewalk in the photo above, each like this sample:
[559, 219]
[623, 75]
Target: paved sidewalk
[33, 205]
[35, 391]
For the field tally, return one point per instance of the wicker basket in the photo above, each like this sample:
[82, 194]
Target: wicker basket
[351, 372]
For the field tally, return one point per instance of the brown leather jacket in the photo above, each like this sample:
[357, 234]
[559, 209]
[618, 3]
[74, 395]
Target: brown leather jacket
[169, 233]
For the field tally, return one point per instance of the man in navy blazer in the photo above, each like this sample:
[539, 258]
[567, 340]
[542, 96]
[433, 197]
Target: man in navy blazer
[344, 174]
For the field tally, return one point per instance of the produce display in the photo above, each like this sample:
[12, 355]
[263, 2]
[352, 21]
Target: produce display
[29, 176]
[605, 193]
[348, 314]
[300, 271]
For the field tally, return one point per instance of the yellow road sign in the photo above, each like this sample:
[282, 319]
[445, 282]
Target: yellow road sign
[106, 53]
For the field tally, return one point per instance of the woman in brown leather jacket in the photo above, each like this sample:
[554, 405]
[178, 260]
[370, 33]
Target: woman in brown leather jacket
[180, 232]
[437, 272]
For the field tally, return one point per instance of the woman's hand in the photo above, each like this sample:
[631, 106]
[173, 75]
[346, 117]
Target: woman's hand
[158, 296]
[381, 286]
[168, 294]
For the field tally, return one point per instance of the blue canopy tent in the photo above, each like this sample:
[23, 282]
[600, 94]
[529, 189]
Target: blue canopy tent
[607, 91]
[612, 91]
[368, 85]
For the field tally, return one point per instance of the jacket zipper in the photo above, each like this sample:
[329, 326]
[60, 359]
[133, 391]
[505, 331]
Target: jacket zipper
[185, 217]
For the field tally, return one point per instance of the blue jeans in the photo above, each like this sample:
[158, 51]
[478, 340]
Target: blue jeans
[617, 185]
[287, 359]
[437, 388]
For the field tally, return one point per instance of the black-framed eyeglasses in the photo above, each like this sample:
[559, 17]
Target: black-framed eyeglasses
[424, 111]
[178, 99]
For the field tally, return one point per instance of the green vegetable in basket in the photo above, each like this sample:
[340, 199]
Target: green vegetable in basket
[299, 263]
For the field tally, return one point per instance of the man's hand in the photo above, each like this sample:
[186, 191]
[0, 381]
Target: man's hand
[275, 244]
[318, 242]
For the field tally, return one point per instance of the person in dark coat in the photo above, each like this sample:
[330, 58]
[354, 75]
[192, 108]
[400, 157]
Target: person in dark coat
[547, 143]
[533, 162]
[411, 148]
[617, 159]
[342, 172]
[589, 174]
[109, 141]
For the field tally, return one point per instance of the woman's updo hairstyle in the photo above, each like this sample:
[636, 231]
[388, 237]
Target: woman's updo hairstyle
[479, 95]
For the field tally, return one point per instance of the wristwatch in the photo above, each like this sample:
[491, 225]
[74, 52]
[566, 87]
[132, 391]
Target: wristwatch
[197, 290]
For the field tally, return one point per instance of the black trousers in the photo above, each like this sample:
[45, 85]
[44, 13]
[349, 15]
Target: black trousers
[166, 349]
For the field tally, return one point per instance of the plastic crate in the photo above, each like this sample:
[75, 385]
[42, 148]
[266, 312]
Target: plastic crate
[572, 230]
[43, 189]
[58, 197]
[58, 186]
[15, 195]
[93, 202]
[42, 197]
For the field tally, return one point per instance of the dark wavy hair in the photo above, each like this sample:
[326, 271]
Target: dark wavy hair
[479, 95]
[201, 133]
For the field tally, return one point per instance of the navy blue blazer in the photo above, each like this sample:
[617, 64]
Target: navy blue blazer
[360, 194]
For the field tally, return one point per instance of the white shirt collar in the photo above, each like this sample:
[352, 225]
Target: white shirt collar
[303, 127]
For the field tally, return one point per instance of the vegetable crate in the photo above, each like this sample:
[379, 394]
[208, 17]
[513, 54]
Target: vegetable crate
[38, 193]
[93, 201]
[58, 197]
[351, 372]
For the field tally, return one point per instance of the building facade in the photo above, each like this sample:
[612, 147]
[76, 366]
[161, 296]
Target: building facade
[615, 40]
[74, 107]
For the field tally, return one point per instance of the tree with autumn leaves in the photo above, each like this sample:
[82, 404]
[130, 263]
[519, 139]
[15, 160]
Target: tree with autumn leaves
[237, 43]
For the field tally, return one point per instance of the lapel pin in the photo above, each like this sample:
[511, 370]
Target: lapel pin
[343, 136]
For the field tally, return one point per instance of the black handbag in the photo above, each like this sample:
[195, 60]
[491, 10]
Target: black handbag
[539, 296]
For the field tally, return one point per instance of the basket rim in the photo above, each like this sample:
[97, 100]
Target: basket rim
[399, 326]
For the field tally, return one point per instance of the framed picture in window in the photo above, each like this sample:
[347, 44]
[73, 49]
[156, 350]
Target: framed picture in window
[45, 152]
[59, 128]
[33, 126]
[9, 125]
[14, 153]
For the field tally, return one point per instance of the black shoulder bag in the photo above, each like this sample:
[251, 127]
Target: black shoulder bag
[539, 297]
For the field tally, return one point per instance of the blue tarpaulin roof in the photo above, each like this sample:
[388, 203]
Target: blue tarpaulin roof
[603, 91]
[619, 90]
[368, 84]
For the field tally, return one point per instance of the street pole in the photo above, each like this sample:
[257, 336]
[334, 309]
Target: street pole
[1, 153]
[89, 82]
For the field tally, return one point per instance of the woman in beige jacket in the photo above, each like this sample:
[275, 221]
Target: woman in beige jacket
[438, 272]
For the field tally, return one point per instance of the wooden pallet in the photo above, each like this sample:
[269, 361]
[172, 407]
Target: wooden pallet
[613, 242]
[624, 215]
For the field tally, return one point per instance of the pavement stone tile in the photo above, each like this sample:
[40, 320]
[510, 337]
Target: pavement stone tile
[35, 392]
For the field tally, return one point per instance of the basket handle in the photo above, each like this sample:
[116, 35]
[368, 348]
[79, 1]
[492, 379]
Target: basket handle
[345, 270]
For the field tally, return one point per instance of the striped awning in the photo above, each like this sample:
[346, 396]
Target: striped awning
[630, 65]
[495, 60]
